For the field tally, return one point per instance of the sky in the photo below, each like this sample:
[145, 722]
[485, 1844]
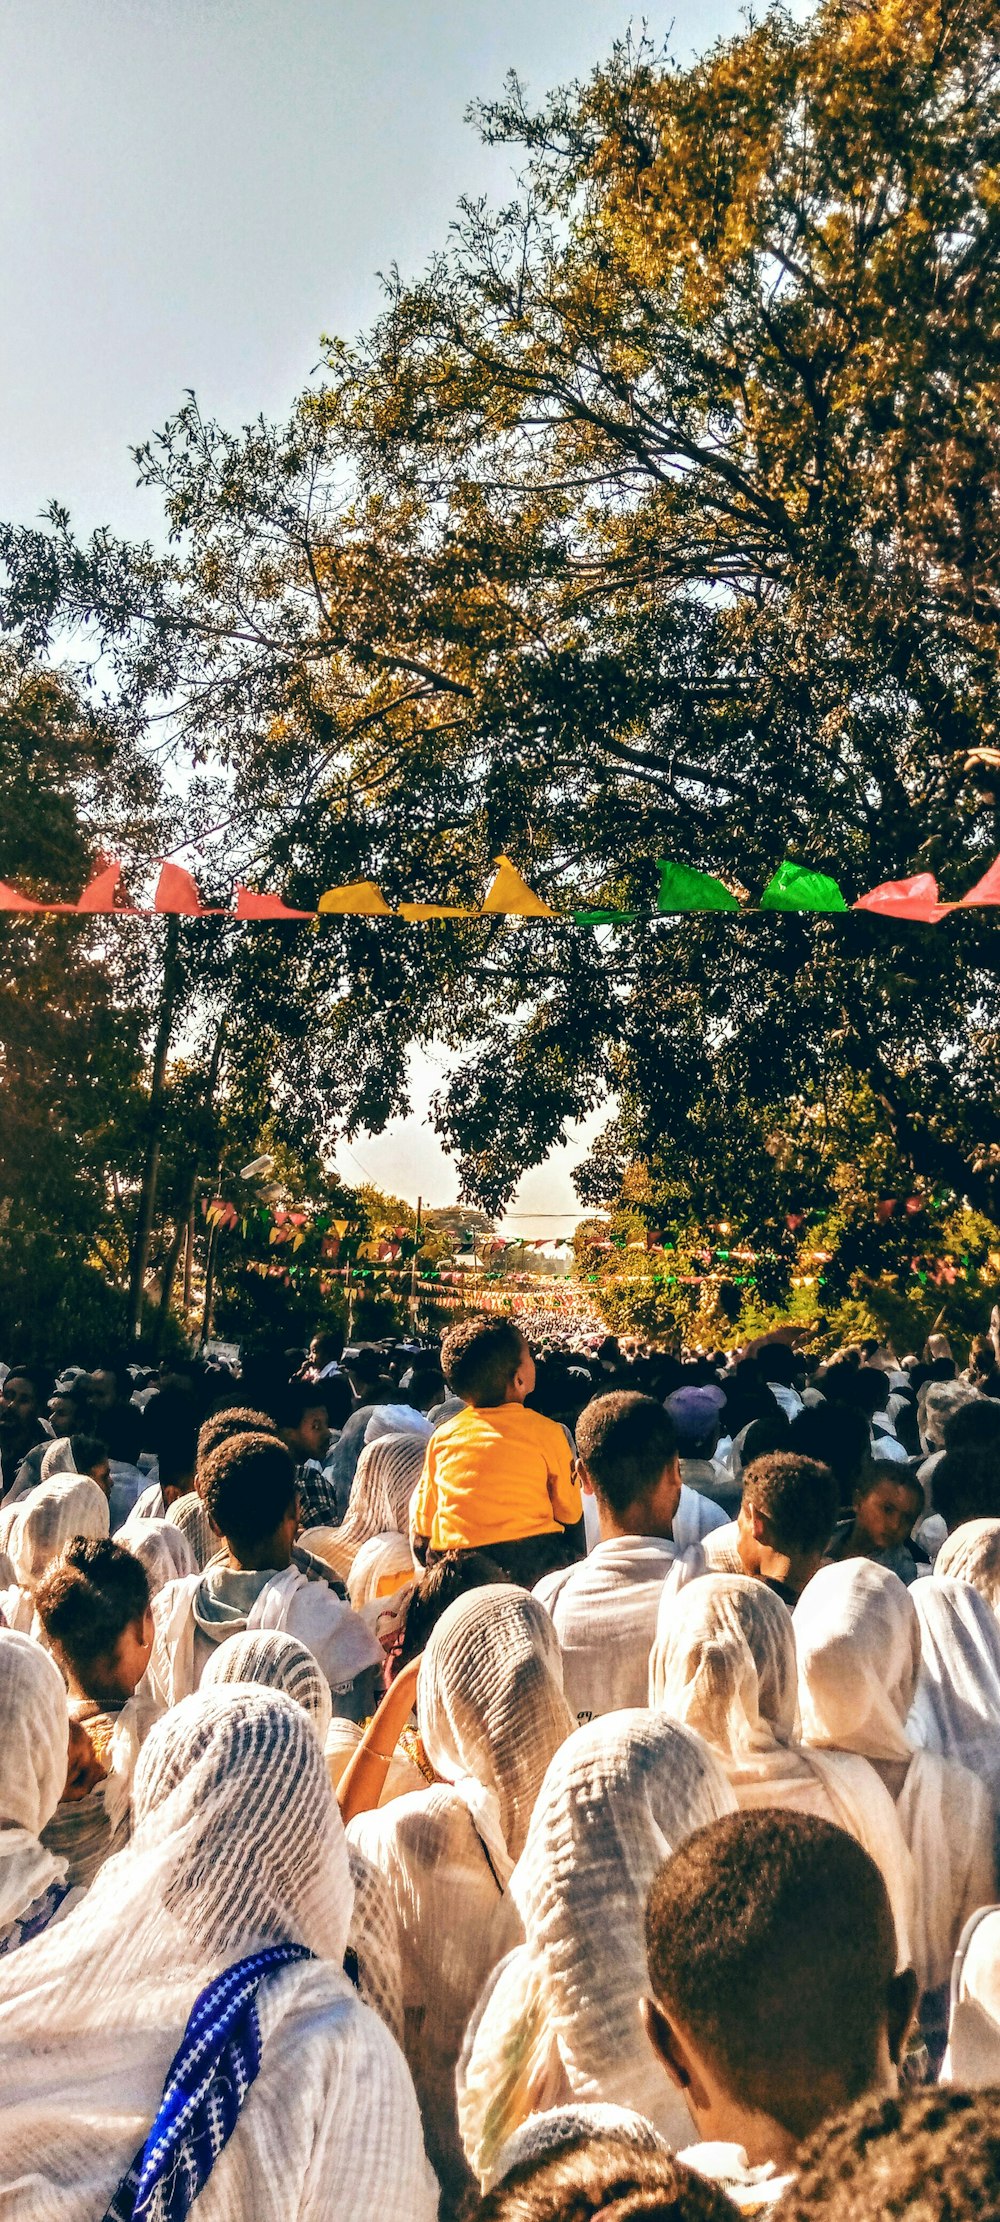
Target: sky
[191, 193]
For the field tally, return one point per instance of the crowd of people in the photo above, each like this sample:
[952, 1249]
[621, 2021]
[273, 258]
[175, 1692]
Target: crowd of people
[529, 1786]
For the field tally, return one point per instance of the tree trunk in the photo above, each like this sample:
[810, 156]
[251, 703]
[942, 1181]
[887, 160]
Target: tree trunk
[185, 1215]
[188, 1264]
[150, 1172]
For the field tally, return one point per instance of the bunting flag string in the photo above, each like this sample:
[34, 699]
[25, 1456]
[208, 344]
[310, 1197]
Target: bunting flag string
[793, 888]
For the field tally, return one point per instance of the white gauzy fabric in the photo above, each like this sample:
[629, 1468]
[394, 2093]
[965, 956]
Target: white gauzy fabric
[34, 1742]
[724, 1664]
[58, 1459]
[189, 1515]
[53, 1514]
[972, 1554]
[696, 1516]
[604, 1613]
[165, 1553]
[312, 1611]
[973, 2056]
[398, 1419]
[562, 2020]
[274, 1660]
[491, 1714]
[857, 1635]
[383, 1559]
[385, 1478]
[237, 1844]
[544, 2136]
[956, 1709]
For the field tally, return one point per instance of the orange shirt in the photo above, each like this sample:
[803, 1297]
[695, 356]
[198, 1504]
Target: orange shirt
[494, 1475]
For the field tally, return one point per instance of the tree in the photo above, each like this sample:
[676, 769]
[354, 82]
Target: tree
[656, 519]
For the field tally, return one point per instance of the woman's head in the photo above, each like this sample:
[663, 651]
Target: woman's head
[232, 1808]
[54, 1513]
[34, 1733]
[724, 1663]
[274, 1660]
[490, 1700]
[857, 1637]
[93, 1603]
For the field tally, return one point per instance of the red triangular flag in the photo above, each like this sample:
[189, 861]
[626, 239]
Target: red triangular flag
[10, 899]
[176, 892]
[916, 898]
[250, 905]
[100, 892]
[986, 890]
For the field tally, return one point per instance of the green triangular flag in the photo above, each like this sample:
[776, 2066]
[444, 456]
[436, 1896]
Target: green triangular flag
[608, 917]
[793, 888]
[683, 889]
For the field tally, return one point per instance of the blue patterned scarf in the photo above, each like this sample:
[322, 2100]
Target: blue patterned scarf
[216, 2062]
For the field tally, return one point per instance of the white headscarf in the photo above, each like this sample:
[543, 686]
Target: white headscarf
[161, 1548]
[34, 1740]
[724, 1663]
[54, 1513]
[956, 1708]
[385, 1478]
[384, 1558]
[189, 1515]
[972, 1554]
[58, 1459]
[397, 1419]
[857, 1634]
[275, 1660]
[936, 1401]
[491, 1710]
[562, 2021]
[237, 1844]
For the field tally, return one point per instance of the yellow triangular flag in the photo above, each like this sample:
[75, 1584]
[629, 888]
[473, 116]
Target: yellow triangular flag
[362, 898]
[509, 896]
[416, 911]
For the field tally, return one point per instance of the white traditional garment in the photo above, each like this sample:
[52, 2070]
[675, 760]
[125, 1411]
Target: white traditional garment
[34, 1743]
[604, 1613]
[238, 1845]
[58, 1510]
[57, 1459]
[275, 1660]
[383, 1568]
[149, 1503]
[397, 1419]
[973, 2056]
[695, 1518]
[858, 1641]
[956, 1708]
[972, 1554]
[724, 1664]
[185, 1623]
[161, 1548]
[561, 2021]
[46, 1522]
[272, 1659]
[385, 1478]
[722, 1550]
[189, 1515]
[491, 1714]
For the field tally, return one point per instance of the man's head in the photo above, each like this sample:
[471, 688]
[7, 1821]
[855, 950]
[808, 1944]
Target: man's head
[19, 1399]
[233, 1419]
[302, 1421]
[247, 1486]
[932, 2154]
[839, 1435]
[696, 1414]
[887, 1505]
[90, 1457]
[627, 1451]
[364, 1370]
[487, 1362]
[584, 2174]
[108, 1386]
[93, 1604]
[772, 1958]
[966, 1484]
[786, 1518]
[69, 1409]
[974, 1426]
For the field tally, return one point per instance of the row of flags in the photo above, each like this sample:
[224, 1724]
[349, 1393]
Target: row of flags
[682, 889]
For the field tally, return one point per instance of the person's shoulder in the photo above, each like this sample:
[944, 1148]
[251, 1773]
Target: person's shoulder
[544, 1430]
[549, 1590]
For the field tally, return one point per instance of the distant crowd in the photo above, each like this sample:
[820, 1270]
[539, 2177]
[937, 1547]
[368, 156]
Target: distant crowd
[529, 1783]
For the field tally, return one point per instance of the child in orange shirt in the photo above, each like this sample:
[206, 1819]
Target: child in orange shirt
[497, 1478]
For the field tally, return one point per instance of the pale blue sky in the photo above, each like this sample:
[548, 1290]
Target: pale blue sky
[191, 191]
